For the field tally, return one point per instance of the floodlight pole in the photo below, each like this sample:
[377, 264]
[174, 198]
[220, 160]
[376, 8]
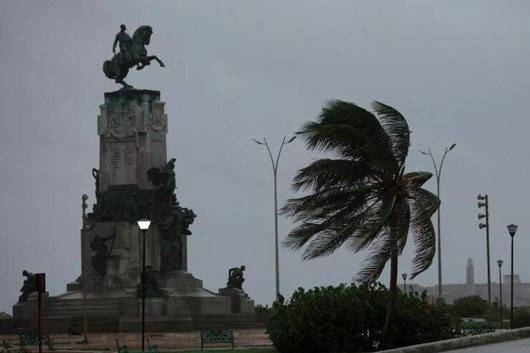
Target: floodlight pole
[485, 204]
[438, 173]
[275, 173]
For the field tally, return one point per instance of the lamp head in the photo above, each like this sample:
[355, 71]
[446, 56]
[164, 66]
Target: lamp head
[452, 146]
[512, 228]
[481, 204]
[404, 276]
[481, 215]
[144, 224]
[291, 139]
[423, 152]
[481, 225]
[481, 197]
[500, 262]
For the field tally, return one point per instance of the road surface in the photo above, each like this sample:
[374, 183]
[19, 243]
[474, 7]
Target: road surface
[517, 346]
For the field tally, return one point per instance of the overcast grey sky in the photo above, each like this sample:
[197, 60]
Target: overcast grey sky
[458, 71]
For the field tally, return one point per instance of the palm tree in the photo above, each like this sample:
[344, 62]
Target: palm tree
[363, 197]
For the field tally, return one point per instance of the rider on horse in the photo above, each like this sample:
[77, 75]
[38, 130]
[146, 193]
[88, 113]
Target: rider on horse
[125, 42]
[132, 53]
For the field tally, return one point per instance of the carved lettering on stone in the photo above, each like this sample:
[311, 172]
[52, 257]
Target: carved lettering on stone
[128, 156]
[115, 158]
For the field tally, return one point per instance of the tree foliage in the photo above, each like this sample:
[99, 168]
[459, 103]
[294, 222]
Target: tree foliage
[363, 197]
[470, 306]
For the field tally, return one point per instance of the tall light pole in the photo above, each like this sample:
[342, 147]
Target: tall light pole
[500, 262]
[83, 270]
[144, 226]
[512, 228]
[483, 202]
[438, 173]
[275, 171]
[404, 283]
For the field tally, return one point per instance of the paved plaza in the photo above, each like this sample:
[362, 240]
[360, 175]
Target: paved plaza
[517, 346]
[167, 342]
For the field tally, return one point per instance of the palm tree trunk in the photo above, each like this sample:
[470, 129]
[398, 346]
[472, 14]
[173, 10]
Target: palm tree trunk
[391, 296]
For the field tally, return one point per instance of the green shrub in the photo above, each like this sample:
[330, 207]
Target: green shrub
[493, 314]
[470, 306]
[350, 319]
[521, 317]
[262, 309]
[417, 321]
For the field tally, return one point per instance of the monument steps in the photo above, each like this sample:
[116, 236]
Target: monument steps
[95, 324]
[230, 321]
[76, 307]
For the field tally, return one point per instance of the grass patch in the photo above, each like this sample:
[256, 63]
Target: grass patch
[494, 324]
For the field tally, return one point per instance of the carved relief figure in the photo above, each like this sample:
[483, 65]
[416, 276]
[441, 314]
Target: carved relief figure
[152, 287]
[95, 174]
[101, 253]
[164, 180]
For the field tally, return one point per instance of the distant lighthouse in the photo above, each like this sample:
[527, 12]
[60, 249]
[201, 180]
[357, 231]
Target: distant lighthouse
[470, 272]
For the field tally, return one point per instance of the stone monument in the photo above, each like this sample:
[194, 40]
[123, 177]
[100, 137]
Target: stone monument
[135, 180]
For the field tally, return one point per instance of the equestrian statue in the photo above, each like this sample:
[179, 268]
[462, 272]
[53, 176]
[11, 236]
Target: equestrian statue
[132, 53]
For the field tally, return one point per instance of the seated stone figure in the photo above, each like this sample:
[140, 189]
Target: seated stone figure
[235, 277]
[29, 286]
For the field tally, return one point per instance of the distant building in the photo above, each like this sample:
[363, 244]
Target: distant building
[521, 290]
[470, 272]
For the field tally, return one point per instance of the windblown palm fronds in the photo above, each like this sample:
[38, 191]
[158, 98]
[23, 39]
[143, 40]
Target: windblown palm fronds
[363, 197]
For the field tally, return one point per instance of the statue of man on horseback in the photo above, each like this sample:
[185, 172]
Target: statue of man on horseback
[132, 53]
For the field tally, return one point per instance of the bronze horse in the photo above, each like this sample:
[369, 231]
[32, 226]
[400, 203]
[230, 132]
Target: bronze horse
[136, 54]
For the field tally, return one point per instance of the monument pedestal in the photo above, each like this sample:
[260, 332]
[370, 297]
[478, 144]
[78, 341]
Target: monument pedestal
[135, 181]
[28, 311]
[240, 302]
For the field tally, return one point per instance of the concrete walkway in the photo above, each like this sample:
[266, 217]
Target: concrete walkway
[497, 340]
[167, 342]
[518, 346]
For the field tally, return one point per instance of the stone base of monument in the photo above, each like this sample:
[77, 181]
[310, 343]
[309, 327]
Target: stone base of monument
[27, 311]
[156, 323]
[209, 305]
[180, 280]
[153, 306]
[240, 302]
[7, 325]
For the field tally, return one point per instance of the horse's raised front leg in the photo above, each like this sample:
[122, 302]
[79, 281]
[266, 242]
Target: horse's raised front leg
[154, 57]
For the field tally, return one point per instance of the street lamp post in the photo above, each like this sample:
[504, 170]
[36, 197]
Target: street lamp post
[404, 283]
[144, 226]
[484, 202]
[438, 172]
[500, 262]
[83, 270]
[512, 228]
[275, 171]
